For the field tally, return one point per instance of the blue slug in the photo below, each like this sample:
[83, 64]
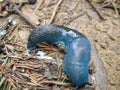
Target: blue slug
[77, 49]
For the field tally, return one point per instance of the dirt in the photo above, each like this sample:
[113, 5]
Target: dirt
[79, 15]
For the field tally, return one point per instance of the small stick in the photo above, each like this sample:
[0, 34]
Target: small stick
[16, 9]
[56, 82]
[40, 2]
[114, 6]
[93, 6]
[4, 30]
[55, 11]
[9, 33]
[24, 16]
[72, 19]
[17, 57]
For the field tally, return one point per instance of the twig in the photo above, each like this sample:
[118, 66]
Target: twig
[12, 29]
[93, 6]
[114, 6]
[74, 18]
[4, 29]
[40, 2]
[24, 16]
[30, 83]
[41, 78]
[8, 66]
[56, 82]
[17, 57]
[4, 64]
[9, 33]
[55, 11]
[12, 83]
[17, 44]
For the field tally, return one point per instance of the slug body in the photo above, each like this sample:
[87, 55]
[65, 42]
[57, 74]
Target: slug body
[77, 49]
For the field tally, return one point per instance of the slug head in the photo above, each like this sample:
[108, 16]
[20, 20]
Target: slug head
[31, 45]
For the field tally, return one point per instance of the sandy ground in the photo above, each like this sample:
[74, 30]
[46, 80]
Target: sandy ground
[79, 15]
